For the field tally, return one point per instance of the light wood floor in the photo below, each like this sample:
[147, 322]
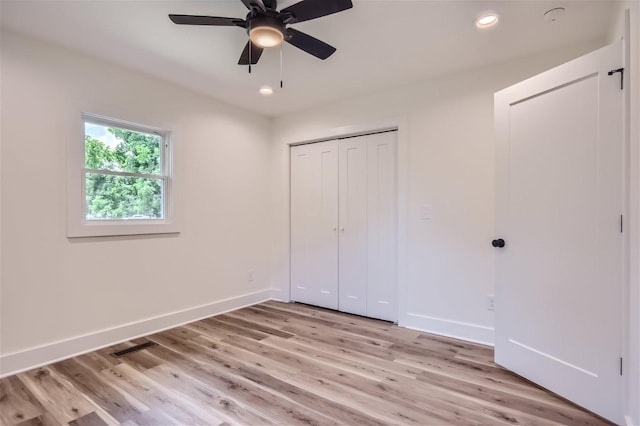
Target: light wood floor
[284, 364]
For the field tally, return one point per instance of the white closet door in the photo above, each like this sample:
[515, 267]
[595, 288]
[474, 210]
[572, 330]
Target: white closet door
[353, 225]
[381, 222]
[314, 221]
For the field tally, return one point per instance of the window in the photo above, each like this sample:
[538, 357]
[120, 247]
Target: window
[125, 180]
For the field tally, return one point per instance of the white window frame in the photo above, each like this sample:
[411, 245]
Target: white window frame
[77, 224]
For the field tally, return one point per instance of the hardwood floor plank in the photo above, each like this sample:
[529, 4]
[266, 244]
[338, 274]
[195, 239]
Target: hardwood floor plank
[330, 318]
[45, 419]
[151, 417]
[249, 325]
[409, 371]
[101, 359]
[348, 361]
[91, 419]
[128, 380]
[117, 404]
[205, 395]
[17, 402]
[381, 376]
[496, 412]
[284, 364]
[338, 339]
[334, 383]
[252, 334]
[61, 402]
[271, 405]
[543, 408]
[291, 389]
[392, 407]
[210, 331]
[406, 401]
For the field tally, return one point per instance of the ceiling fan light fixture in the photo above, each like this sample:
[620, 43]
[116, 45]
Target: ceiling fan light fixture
[266, 36]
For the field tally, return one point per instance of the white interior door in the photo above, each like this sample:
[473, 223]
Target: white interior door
[353, 225]
[381, 225]
[559, 188]
[314, 221]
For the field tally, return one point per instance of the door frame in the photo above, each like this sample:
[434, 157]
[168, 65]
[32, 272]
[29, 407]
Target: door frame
[631, 56]
[400, 124]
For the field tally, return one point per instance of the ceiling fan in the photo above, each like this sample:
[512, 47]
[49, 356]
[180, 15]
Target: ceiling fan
[268, 27]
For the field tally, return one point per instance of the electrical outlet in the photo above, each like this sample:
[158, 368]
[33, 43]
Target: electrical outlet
[491, 302]
[250, 275]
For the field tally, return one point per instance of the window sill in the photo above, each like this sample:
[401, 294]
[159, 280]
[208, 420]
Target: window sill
[110, 228]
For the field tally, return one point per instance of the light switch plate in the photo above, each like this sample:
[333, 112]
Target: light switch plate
[425, 212]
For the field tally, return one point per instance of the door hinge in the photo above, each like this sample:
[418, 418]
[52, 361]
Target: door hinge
[621, 366]
[621, 223]
[621, 71]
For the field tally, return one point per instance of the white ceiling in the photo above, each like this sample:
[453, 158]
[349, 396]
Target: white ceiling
[381, 44]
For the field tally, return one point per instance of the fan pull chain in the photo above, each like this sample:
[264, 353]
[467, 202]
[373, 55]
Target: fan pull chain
[250, 49]
[281, 50]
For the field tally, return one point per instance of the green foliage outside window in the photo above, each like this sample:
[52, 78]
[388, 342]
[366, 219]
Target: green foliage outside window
[123, 197]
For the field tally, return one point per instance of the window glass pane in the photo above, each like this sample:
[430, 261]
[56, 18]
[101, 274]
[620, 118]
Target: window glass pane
[123, 197]
[113, 148]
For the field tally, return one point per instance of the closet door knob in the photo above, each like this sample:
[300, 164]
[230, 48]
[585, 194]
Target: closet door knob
[335, 228]
[342, 228]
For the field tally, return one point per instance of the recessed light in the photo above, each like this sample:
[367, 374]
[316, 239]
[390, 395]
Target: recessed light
[266, 90]
[487, 20]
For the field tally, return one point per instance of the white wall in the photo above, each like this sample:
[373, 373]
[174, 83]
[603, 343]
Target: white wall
[55, 289]
[449, 147]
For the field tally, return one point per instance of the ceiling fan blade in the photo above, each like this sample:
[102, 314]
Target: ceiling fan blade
[256, 52]
[312, 9]
[309, 44]
[207, 20]
[257, 3]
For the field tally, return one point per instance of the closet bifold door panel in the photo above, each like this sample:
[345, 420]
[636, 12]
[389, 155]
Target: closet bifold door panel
[352, 247]
[343, 225]
[314, 222]
[381, 244]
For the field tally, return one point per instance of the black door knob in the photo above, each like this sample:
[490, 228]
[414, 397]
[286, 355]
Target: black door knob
[498, 243]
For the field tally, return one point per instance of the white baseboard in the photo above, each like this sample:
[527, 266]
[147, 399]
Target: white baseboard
[279, 295]
[449, 328]
[27, 359]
